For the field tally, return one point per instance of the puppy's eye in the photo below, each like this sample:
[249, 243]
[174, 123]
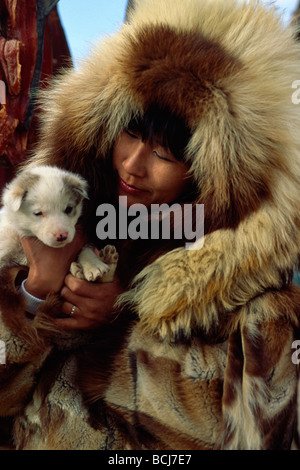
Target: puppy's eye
[68, 210]
[38, 214]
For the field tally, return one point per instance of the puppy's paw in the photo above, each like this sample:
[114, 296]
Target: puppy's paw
[109, 256]
[88, 265]
[76, 270]
[95, 270]
[95, 267]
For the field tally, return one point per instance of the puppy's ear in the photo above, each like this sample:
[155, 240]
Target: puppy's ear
[77, 184]
[15, 192]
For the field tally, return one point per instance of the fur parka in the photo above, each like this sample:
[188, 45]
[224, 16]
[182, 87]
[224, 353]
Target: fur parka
[205, 361]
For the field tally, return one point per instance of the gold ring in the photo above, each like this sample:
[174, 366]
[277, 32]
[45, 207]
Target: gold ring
[73, 310]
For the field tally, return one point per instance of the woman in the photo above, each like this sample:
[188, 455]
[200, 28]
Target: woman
[189, 103]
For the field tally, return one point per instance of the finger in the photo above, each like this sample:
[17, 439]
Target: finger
[71, 297]
[70, 323]
[83, 288]
[74, 322]
[70, 309]
[83, 309]
[86, 307]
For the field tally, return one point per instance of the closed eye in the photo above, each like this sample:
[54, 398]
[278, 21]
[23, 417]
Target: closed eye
[161, 157]
[132, 134]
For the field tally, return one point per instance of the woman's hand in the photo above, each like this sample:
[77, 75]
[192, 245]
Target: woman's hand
[94, 303]
[49, 273]
[49, 266]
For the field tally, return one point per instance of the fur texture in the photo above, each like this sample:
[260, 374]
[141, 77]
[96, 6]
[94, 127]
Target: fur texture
[227, 69]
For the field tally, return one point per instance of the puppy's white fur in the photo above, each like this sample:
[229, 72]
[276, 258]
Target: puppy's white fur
[45, 202]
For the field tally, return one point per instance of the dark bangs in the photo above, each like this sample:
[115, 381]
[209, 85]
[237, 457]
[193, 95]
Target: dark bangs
[162, 126]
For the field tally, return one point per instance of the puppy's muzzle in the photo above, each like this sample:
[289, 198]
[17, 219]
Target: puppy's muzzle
[61, 237]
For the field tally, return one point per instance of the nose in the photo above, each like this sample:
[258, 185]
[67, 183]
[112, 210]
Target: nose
[136, 161]
[61, 236]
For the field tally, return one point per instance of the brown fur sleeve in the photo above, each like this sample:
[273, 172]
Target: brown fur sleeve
[260, 385]
[23, 351]
[239, 394]
[187, 290]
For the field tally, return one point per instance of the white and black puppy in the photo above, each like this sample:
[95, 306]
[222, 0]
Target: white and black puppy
[46, 202]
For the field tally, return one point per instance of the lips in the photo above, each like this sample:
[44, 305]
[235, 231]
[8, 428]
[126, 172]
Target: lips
[131, 189]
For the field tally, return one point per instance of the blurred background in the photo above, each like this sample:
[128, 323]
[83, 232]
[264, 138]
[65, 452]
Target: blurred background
[87, 21]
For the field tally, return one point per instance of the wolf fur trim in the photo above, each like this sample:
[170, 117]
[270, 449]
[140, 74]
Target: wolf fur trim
[227, 68]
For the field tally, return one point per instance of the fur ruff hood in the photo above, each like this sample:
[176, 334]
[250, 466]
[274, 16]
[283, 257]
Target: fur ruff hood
[227, 68]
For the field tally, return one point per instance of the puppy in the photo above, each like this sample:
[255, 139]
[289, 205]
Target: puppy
[46, 202]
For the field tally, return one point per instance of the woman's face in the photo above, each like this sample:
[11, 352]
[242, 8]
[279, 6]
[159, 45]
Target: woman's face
[147, 173]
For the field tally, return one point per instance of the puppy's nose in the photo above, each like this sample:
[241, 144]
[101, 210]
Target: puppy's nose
[61, 237]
